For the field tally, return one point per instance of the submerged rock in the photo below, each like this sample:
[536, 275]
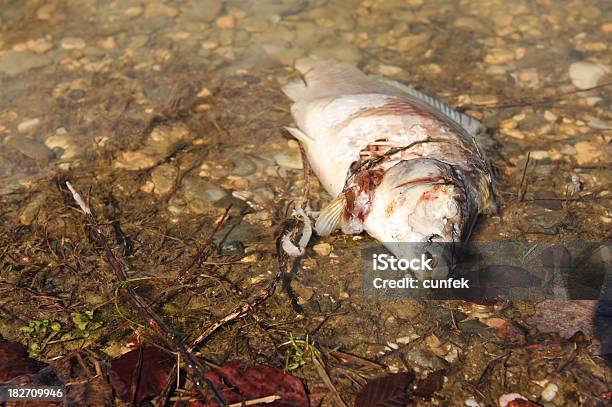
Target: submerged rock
[585, 75]
[200, 194]
[13, 63]
[30, 147]
[162, 142]
[163, 178]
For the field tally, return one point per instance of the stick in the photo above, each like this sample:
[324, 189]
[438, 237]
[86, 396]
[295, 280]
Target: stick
[155, 322]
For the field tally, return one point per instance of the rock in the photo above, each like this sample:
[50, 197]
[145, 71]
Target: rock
[28, 125]
[30, 147]
[290, 158]
[411, 41]
[197, 10]
[13, 63]
[138, 41]
[154, 9]
[40, 46]
[30, 212]
[225, 22]
[585, 75]
[550, 116]
[243, 166]
[470, 24]
[163, 141]
[303, 292]
[588, 153]
[254, 24]
[322, 249]
[133, 11]
[70, 149]
[340, 52]
[550, 391]
[427, 360]
[539, 154]
[499, 56]
[45, 12]
[389, 70]
[606, 28]
[72, 43]
[163, 178]
[200, 194]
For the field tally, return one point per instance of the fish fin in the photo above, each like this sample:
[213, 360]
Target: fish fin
[470, 124]
[294, 89]
[330, 217]
[300, 135]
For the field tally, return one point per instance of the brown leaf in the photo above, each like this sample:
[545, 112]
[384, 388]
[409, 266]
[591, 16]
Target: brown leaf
[144, 370]
[18, 369]
[237, 382]
[94, 392]
[392, 390]
[14, 361]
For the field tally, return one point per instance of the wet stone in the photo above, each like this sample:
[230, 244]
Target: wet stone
[13, 63]
[28, 125]
[200, 194]
[427, 360]
[30, 212]
[70, 43]
[162, 141]
[197, 10]
[586, 75]
[30, 147]
[163, 178]
[67, 146]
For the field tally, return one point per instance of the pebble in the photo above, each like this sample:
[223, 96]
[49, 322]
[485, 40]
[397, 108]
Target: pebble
[290, 158]
[585, 75]
[499, 56]
[28, 125]
[411, 41]
[587, 153]
[70, 43]
[70, 149]
[550, 391]
[254, 24]
[606, 28]
[30, 147]
[30, 212]
[157, 147]
[45, 12]
[163, 178]
[322, 249]
[154, 9]
[243, 166]
[206, 11]
[539, 155]
[199, 194]
[40, 46]
[133, 11]
[470, 24]
[550, 116]
[13, 63]
[389, 70]
[225, 22]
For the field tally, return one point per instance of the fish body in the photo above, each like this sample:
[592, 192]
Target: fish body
[401, 165]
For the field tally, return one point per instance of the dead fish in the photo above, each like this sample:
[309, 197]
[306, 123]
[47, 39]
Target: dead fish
[401, 165]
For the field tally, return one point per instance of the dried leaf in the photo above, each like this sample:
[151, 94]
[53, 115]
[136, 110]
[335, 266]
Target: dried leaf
[392, 390]
[14, 361]
[19, 369]
[152, 376]
[237, 382]
[94, 392]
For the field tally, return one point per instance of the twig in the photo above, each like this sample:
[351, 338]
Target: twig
[521, 193]
[543, 101]
[261, 400]
[155, 322]
[328, 382]
[283, 264]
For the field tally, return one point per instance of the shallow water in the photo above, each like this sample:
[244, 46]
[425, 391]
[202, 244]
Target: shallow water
[175, 108]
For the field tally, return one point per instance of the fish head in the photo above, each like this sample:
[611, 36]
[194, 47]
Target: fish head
[421, 207]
